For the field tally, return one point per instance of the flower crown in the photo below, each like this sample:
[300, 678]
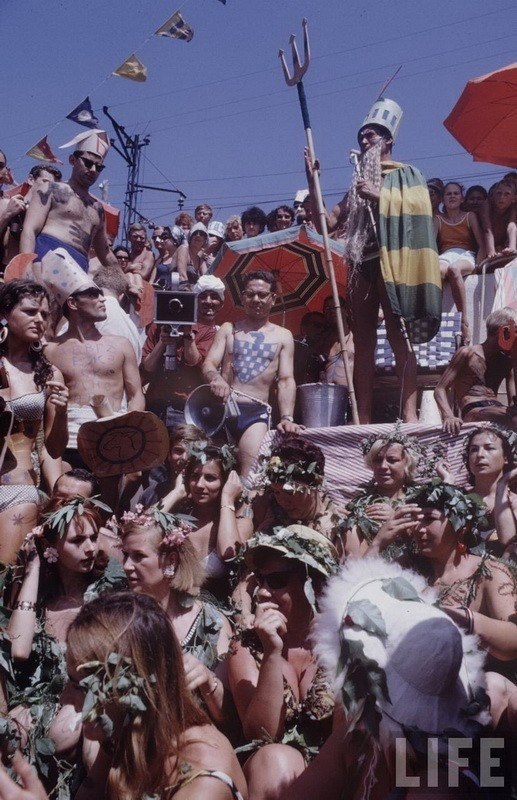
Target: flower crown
[508, 435]
[199, 448]
[294, 476]
[426, 456]
[175, 527]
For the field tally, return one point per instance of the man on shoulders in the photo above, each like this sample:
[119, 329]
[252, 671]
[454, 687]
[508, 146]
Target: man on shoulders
[66, 214]
[251, 355]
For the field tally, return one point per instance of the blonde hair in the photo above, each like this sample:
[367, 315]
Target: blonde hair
[190, 571]
[410, 460]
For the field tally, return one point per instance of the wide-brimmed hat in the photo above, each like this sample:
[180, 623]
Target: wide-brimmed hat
[382, 641]
[297, 542]
[123, 443]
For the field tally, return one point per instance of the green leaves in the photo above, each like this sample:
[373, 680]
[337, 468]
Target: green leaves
[367, 616]
[400, 589]
[60, 519]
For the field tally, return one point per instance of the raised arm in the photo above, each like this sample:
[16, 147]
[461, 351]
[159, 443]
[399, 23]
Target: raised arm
[56, 418]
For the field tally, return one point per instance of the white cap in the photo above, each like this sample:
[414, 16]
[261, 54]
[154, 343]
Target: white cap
[209, 283]
[95, 141]
[216, 228]
[195, 228]
[63, 276]
[300, 196]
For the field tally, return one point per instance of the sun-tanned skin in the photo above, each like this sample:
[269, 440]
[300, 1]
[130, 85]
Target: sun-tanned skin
[249, 336]
[475, 374]
[68, 212]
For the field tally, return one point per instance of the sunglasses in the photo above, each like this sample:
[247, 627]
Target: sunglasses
[89, 164]
[275, 580]
[90, 293]
[2, 164]
[122, 258]
[261, 295]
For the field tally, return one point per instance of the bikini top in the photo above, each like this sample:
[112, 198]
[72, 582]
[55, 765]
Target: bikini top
[27, 407]
[205, 773]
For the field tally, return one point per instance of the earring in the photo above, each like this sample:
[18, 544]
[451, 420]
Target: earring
[36, 347]
[461, 547]
[4, 331]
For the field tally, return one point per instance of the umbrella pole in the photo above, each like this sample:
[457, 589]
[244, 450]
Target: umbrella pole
[298, 72]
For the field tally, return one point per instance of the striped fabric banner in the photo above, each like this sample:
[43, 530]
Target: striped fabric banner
[409, 258]
[345, 469]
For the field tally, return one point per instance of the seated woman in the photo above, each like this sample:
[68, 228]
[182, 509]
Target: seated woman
[459, 238]
[501, 231]
[34, 391]
[283, 702]
[489, 454]
[405, 680]
[395, 460]
[291, 486]
[160, 561]
[59, 571]
[125, 659]
[167, 479]
[165, 273]
[212, 487]
[478, 592]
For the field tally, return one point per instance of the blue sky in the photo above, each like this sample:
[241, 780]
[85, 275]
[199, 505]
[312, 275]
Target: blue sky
[223, 125]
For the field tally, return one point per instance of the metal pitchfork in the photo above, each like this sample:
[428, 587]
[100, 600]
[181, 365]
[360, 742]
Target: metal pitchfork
[299, 71]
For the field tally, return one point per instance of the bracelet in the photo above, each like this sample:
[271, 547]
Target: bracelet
[213, 689]
[470, 620]
[232, 508]
[288, 417]
[24, 605]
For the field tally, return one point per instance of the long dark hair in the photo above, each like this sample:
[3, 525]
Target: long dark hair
[11, 294]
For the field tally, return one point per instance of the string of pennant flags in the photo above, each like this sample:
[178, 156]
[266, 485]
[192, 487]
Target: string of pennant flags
[132, 68]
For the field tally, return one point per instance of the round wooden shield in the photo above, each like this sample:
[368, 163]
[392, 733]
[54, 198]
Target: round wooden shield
[123, 443]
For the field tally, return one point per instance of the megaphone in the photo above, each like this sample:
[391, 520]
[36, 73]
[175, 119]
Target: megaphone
[206, 411]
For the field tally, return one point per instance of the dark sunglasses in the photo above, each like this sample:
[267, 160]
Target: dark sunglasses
[275, 580]
[2, 164]
[89, 164]
[90, 293]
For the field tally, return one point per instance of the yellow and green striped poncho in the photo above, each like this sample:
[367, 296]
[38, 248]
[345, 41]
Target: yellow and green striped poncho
[408, 254]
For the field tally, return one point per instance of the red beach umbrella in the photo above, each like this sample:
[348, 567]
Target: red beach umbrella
[484, 120]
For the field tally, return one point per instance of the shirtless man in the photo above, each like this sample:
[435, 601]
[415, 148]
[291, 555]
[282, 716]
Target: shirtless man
[475, 374]
[92, 363]
[14, 209]
[66, 214]
[141, 260]
[252, 354]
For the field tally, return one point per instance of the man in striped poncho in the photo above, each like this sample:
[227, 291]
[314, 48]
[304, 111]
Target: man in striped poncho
[392, 265]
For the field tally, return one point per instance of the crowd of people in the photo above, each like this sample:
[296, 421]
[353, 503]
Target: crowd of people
[210, 622]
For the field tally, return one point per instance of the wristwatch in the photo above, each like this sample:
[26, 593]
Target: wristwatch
[190, 336]
[288, 417]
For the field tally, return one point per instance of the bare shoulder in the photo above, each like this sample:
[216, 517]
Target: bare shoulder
[283, 334]
[204, 747]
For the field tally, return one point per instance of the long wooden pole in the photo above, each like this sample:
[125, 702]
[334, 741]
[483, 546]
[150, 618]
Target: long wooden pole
[328, 253]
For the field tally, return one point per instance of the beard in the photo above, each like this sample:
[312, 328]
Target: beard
[358, 229]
